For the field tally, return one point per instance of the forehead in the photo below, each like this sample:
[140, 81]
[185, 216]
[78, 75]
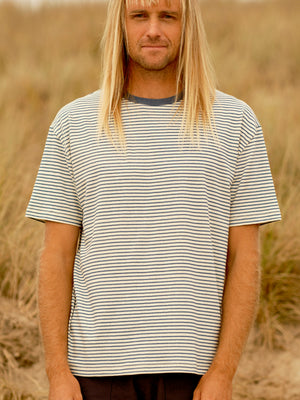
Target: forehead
[145, 4]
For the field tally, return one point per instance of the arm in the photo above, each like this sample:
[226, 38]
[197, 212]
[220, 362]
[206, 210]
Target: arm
[55, 291]
[238, 310]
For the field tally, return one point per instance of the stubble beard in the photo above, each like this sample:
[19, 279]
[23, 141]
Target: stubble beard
[151, 65]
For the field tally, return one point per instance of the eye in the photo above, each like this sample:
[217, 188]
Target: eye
[167, 16]
[139, 16]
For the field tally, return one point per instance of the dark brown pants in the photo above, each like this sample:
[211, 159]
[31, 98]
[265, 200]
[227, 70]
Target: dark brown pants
[140, 387]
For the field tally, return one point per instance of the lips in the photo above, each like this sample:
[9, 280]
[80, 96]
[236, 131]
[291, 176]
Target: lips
[154, 47]
[153, 44]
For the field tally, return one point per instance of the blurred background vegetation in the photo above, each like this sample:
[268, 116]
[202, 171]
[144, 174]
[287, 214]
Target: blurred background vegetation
[49, 57]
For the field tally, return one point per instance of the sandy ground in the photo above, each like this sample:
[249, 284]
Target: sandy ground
[263, 374]
[270, 375]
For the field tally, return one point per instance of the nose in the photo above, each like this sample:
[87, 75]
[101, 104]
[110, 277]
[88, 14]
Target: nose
[153, 31]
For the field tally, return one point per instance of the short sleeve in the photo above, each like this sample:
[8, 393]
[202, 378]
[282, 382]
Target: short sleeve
[54, 196]
[253, 197]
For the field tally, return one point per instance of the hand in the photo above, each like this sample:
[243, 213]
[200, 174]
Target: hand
[64, 386]
[214, 385]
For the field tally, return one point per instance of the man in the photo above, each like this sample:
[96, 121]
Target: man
[149, 276]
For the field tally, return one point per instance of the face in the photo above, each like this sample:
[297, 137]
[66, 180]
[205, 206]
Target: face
[153, 34]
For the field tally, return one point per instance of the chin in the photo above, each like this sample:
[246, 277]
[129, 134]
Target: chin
[154, 66]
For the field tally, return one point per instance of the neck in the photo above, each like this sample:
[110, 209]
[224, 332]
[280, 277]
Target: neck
[152, 84]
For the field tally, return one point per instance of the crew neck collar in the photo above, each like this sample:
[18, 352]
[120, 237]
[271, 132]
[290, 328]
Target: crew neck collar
[153, 102]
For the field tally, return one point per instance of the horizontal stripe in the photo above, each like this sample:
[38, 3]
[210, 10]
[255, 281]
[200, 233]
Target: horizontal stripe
[150, 268]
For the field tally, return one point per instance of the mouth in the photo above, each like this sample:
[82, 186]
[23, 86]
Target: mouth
[154, 47]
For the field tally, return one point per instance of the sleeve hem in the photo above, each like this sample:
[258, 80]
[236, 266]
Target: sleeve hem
[255, 221]
[44, 219]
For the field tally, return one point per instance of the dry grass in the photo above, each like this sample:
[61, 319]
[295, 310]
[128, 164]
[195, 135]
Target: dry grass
[50, 57]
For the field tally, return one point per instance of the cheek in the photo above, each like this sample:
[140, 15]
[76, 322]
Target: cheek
[176, 40]
[175, 36]
[129, 39]
[133, 38]
[129, 32]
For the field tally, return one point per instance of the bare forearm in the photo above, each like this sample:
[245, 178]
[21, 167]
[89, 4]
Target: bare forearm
[238, 311]
[55, 290]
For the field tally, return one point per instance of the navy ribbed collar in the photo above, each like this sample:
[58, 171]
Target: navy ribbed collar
[153, 102]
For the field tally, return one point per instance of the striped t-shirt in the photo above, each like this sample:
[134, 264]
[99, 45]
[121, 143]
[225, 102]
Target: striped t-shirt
[149, 269]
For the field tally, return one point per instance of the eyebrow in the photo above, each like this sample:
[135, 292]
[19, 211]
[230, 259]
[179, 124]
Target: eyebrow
[175, 13]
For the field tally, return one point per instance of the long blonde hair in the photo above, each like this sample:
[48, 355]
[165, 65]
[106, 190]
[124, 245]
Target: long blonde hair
[195, 72]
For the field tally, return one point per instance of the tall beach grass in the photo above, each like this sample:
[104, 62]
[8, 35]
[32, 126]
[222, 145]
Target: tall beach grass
[48, 58]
